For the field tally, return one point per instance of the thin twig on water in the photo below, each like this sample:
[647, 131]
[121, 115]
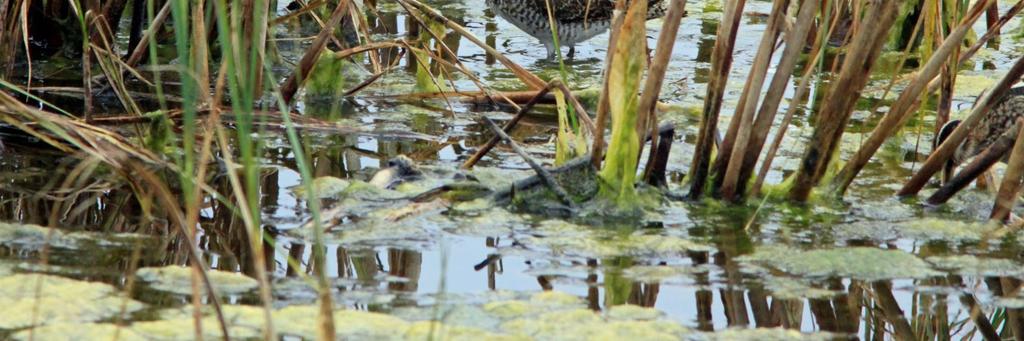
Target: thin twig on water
[549, 180]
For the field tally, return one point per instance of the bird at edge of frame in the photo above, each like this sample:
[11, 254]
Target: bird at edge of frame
[576, 20]
[999, 119]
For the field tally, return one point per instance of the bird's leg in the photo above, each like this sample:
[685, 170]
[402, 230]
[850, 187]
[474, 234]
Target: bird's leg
[572, 51]
[551, 51]
[993, 182]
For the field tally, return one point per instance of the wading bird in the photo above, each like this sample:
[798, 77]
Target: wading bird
[999, 119]
[576, 20]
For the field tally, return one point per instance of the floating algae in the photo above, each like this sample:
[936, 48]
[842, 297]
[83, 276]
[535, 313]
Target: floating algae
[976, 266]
[29, 235]
[927, 229]
[58, 300]
[664, 274]
[865, 263]
[79, 331]
[323, 187]
[563, 238]
[794, 288]
[178, 280]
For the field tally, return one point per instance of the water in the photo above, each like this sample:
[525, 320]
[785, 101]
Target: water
[447, 259]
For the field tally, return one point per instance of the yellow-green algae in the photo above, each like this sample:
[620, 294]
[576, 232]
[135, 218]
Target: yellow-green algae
[660, 273]
[561, 237]
[971, 265]
[58, 300]
[765, 334]
[542, 302]
[793, 288]
[927, 229]
[432, 330]
[29, 234]
[324, 187]
[178, 279]
[584, 324]
[79, 331]
[866, 263]
[549, 315]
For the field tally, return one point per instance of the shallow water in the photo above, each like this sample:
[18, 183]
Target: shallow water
[870, 267]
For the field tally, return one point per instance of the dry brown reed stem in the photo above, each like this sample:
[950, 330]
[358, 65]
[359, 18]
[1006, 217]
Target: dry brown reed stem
[1010, 187]
[295, 80]
[787, 118]
[508, 126]
[86, 81]
[795, 42]
[981, 163]
[730, 156]
[603, 105]
[544, 175]
[200, 55]
[143, 46]
[647, 115]
[939, 156]
[721, 63]
[845, 91]
[479, 97]
[524, 75]
[904, 107]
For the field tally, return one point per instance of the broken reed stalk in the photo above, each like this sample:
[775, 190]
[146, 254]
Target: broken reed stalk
[843, 95]
[294, 81]
[646, 110]
[654, 173]
[508, 126]
[524, 75]
[603, 107]
[907, 103]
[721, 63]
[726, 168]
[544, 175]
[981, 163]
[143, 45]
[1010, 187]
[939, 156]
[795, 42]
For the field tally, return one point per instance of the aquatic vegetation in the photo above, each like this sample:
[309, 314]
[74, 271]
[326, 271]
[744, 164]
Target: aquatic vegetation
[865, 263]
[35, 236]
[178, 279]
[325, 187]
[977, 266]
[564, 238]
[58, 300]
[624, 75]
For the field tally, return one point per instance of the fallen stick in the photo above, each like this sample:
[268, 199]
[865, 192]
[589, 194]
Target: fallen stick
[508, 126]
[549, 180]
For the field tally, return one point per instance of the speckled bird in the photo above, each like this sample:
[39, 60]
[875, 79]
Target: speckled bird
[1001, 118]
[577, 20]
